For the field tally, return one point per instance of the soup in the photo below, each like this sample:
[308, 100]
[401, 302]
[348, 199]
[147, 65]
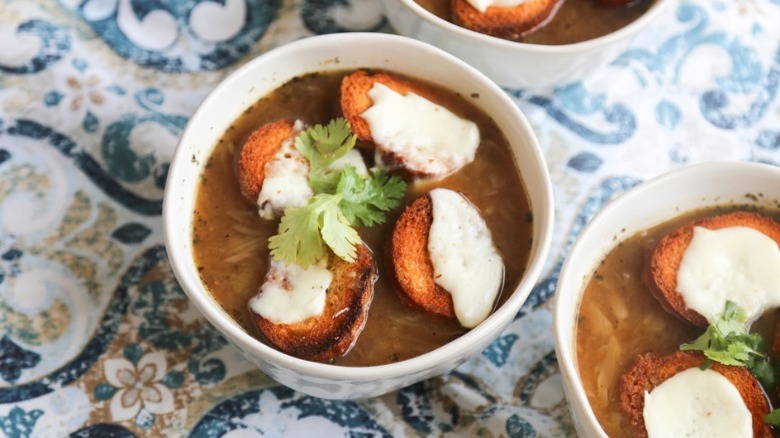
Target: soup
[576, 20]
[619, 319]
[230, 240]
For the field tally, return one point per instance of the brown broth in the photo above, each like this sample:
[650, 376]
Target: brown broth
[230, 240]
[576, 20]
[620, 319]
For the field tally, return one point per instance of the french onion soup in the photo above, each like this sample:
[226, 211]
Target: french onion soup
[560, 22]
[353, 277]
[640, 332]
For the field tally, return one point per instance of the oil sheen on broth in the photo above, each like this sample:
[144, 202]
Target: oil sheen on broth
[230, 240]
[620, 319]
[576, 20]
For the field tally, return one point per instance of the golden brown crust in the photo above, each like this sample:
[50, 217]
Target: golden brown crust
[355, 100]
[412, 262]
[511, 22]
[665, 259]
[649, 371]
[258, 149]
[354, 97]
[333, 333]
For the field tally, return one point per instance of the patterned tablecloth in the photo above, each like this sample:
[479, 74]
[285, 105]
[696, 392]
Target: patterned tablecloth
[97, 338]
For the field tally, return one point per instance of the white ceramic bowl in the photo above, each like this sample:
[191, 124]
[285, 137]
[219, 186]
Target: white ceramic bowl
[339, 52]
[646, 205]
[513, 64]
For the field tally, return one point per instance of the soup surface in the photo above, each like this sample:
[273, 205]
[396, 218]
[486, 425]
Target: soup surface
[230, 240]
[576, 20]
[620, 319]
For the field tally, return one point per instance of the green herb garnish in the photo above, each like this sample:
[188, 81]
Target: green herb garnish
[728, 342]
[322, 145]
[367, 200]
[773, 419]
[341, 200]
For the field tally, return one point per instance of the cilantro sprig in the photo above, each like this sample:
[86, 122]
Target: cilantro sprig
[322, 145]
[367, 200]
[342, 199]
[728, 341]
[773, 418]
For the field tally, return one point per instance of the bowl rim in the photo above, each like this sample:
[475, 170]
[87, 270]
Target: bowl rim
[204, 302]
[575, 393]
[561, 49]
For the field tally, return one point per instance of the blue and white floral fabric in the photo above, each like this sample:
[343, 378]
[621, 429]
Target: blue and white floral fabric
[97, 338]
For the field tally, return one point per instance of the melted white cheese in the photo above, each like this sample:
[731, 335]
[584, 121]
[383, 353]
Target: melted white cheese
[426, 137]
[739, 264]
[465, 261]
[482, 5]
[286, 180]
[291, 294]
[352, 157]
[696, 403]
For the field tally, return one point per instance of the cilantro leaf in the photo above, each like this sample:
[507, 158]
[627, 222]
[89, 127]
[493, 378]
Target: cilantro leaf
[303, 230]
[322, 145]
[773, 418]
[338, 233]
[764, 370]
[342, 199]
[727, 340]
[366, 200]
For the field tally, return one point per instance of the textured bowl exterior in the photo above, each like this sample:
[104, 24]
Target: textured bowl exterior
[642, 207]
[513, 64]
[338, 52]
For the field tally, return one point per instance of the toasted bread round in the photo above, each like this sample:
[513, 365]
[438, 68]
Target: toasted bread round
[333, 333]
[355, 100]
[412, 262]
[354, 97]
[259, 148]
[511, 22]
[665, 259]
[650, 370]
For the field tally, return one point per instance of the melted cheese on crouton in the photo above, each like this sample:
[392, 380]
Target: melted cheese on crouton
[292, 294]
[482, 5]
[352, 157]
[286, 180]
[465, 261]
[426, 137]
[738, 264]
[696, 403]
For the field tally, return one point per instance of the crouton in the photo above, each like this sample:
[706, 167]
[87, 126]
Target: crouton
[427, 155]
[511, 22]
[412, 262]
[665, 258]
[331, 334]
[355, 100]
[260, 148]
[649, 371]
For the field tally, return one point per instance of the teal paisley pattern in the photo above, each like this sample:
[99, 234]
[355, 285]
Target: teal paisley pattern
[123, 162]
[54, 44]
[190, 35]
[98, 339]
